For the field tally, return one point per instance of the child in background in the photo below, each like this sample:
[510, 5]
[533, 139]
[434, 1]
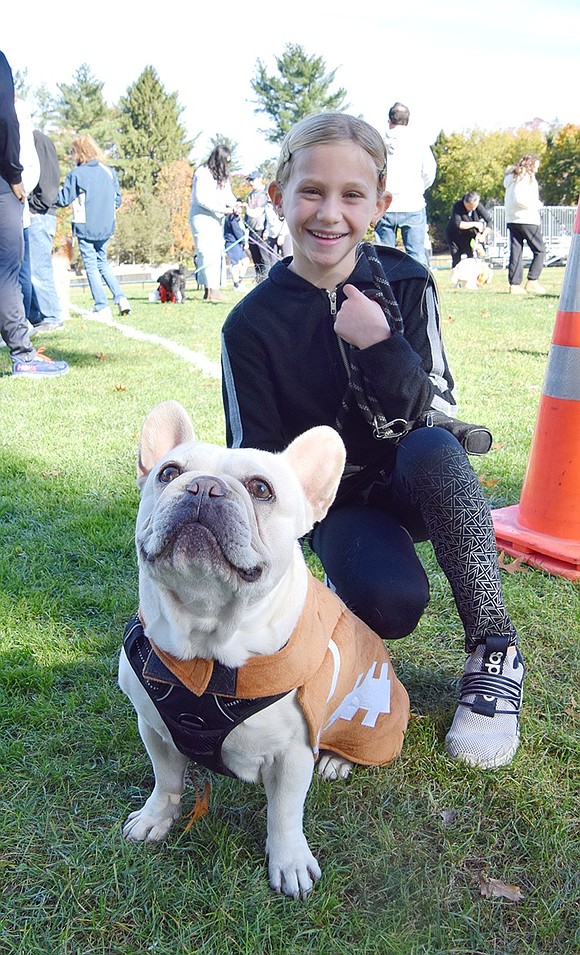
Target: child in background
[309, 347]
[236, 242]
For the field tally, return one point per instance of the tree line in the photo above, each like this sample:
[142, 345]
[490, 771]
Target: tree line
[146, 142]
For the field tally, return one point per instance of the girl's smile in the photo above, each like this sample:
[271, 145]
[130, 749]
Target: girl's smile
[328, 202]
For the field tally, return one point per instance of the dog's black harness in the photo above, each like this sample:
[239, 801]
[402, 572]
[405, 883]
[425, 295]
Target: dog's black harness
[199, 725]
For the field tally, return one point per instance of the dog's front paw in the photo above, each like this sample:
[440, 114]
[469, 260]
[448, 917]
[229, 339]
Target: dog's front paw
[293, 877]
[153, 821]
[331, 766]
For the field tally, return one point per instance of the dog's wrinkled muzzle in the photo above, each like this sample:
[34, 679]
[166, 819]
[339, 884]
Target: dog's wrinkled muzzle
[206, 523]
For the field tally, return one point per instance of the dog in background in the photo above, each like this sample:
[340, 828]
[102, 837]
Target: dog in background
[238, 658]
[172, 285]
[471, 274]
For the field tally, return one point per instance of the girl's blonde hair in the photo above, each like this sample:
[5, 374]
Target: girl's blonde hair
[332, 127]
[84, 148]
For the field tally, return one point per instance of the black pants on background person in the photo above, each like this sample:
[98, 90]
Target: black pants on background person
[532, 234]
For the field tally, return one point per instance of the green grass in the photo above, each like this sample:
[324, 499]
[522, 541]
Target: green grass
[402, 847]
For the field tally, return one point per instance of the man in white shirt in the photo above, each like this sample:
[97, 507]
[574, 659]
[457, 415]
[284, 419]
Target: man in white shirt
[411, 169]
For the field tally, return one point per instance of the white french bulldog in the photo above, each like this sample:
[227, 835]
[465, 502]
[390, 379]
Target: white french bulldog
[238, 658]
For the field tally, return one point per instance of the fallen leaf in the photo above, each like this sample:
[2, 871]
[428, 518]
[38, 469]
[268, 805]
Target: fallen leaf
[46, 474]
[495, 888]
[201, 807]
[498, 445]
[513, 566]
[101, 355]
[488, 482]
[120, 387]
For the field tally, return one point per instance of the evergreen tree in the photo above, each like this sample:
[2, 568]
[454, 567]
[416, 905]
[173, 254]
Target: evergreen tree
[151, 135]
[80, 109]
[301, 88]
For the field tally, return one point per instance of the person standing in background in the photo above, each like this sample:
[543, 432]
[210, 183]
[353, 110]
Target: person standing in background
[211, 199]
[259, 216]
[30, 176]
[93, 189]
[13, 326]
[45, 310]
[522, 216]
[411, 169]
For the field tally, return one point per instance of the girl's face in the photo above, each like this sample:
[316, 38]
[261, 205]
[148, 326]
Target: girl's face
[328, 202]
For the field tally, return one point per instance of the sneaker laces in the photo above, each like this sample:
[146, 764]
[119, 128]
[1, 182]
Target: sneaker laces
[487, 687]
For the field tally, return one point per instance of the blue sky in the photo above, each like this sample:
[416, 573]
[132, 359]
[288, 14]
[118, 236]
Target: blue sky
[457, 64]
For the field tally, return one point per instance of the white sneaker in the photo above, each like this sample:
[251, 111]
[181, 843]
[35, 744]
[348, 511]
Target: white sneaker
[123, 306]
[485, 730]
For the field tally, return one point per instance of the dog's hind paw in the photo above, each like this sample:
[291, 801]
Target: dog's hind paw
[331, 766]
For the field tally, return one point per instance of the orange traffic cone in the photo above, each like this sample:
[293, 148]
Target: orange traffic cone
[544, 528]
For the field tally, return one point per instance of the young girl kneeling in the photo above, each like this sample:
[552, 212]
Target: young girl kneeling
[348, 335]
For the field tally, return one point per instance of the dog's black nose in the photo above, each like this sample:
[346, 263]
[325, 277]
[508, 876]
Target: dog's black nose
[206, 484]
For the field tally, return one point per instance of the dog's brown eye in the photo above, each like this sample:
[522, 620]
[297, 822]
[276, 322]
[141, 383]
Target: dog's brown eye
[169, 473]
[260, 489]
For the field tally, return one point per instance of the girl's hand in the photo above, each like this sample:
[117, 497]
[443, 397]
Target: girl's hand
[360, 321]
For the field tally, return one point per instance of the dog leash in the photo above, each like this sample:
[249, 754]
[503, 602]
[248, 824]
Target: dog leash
[359, 389]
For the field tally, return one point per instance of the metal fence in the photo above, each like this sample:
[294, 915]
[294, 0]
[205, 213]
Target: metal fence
[557, 229]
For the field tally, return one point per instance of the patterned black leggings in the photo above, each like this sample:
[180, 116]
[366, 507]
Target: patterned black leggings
[366, 547]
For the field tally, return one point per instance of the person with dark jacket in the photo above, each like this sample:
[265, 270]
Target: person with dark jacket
[45, 311]
[13, 325]
[93, 189]
[467, 225]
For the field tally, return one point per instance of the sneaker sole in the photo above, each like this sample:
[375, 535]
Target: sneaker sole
[39, 374]
[476, 762]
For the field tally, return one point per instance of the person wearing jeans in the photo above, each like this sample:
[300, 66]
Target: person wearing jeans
[26, 361]
[413, 226]
[45, 305]
[411, 169]
[96, 263]
[45, 310]
[93, 189]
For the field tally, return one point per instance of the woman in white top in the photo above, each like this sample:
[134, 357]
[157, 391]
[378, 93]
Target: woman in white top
[522, 213]
[211, 199]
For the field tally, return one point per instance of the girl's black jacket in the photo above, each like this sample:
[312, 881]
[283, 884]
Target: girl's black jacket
[282, 370]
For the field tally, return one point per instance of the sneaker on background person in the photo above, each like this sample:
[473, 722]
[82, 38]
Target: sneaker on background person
[123, 306]
[532, 285]
[38, 366]
[46, 326]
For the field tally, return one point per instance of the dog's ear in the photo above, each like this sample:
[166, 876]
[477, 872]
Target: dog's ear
[166, 426]
[317, 457]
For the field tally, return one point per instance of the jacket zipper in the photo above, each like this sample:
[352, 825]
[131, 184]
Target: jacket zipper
[332, 301]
